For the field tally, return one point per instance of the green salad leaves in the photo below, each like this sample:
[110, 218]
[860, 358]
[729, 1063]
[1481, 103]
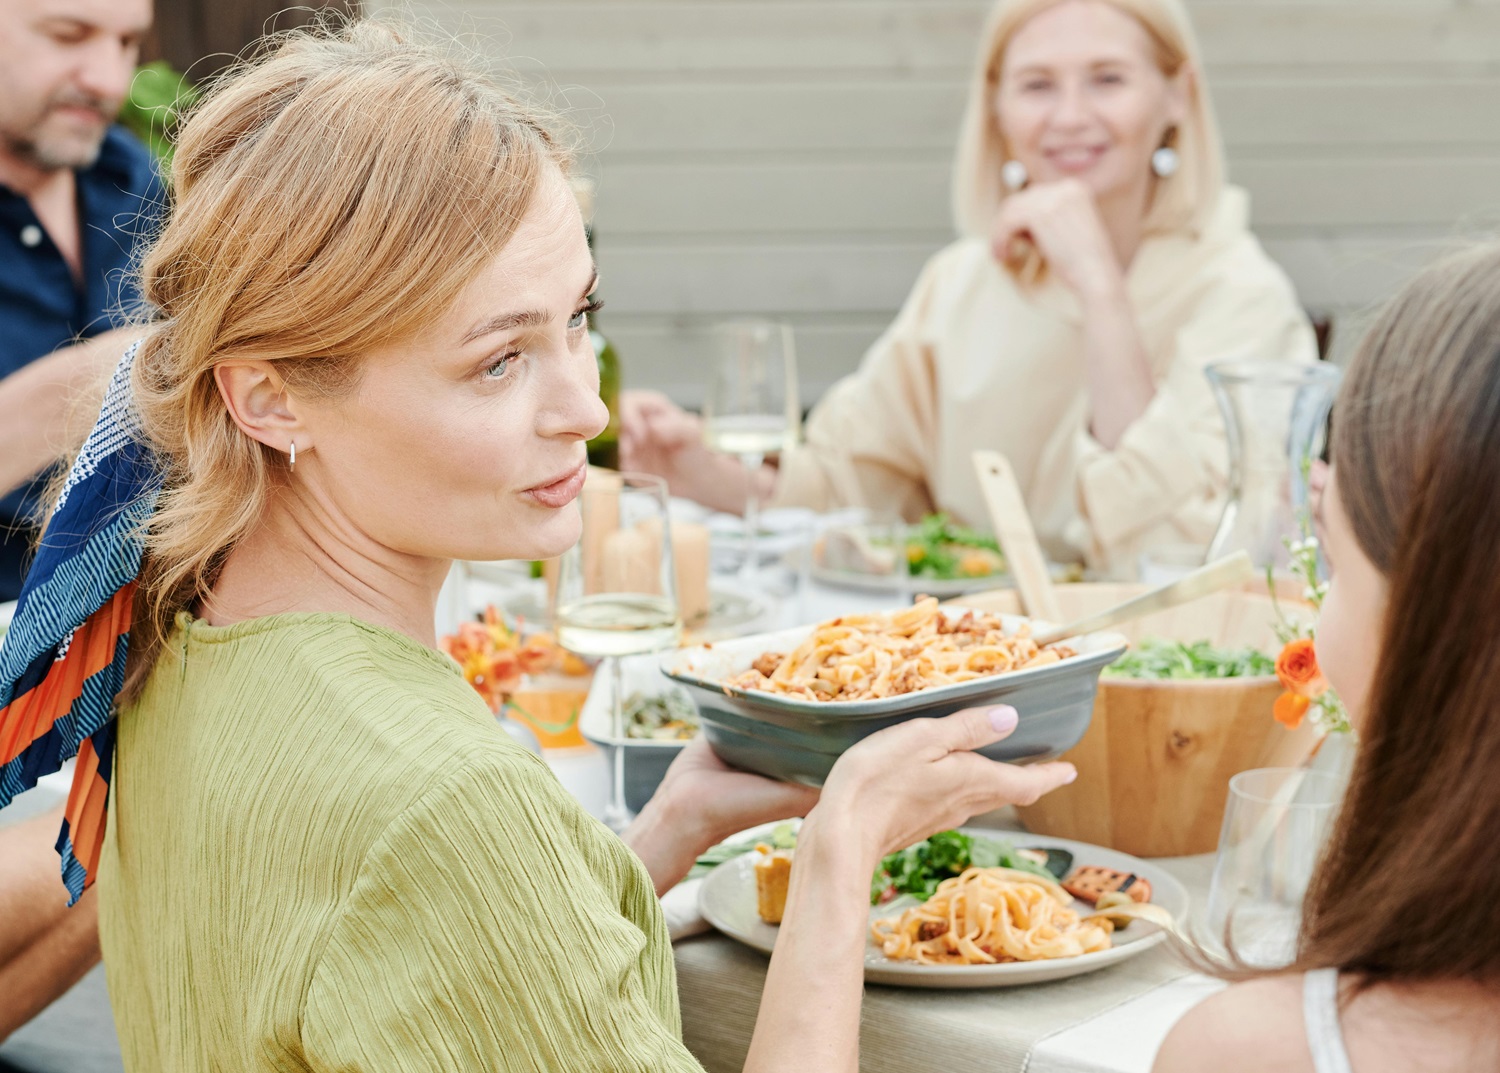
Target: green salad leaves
[1158, 659]
[782, 836]
[917, 870]
[940, 548]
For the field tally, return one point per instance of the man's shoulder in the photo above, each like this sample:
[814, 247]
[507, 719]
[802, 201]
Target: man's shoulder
[123, 158]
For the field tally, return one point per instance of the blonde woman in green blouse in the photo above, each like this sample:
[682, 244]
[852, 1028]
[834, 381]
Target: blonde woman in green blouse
[370, 358]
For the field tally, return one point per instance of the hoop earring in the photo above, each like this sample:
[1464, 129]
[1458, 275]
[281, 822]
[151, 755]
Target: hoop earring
[294, 455]
[1013, 175]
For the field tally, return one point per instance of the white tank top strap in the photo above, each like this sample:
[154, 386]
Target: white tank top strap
[1320, 1011]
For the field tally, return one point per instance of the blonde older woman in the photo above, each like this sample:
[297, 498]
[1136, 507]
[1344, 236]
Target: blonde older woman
[1103, 264]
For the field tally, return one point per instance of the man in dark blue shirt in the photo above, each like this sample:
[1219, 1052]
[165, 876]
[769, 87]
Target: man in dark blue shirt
[78, 197]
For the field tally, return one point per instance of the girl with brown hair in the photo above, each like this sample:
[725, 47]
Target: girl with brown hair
[1398, 963]
[371, 357]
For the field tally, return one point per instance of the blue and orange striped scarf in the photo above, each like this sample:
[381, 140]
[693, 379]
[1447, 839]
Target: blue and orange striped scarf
[63, 659]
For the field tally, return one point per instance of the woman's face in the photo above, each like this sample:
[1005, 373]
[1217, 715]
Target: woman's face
[468, 442]
[1080, 96]
[1348, 636]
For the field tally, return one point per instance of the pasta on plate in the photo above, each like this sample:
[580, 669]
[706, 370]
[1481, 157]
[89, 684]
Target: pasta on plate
[867, 657]
[991, 915]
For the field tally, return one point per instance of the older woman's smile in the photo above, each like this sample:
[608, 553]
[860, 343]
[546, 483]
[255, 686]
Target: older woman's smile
[1074, 158]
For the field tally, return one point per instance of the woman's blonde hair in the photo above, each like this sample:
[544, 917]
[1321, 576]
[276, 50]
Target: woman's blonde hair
[1184, 201]
[330, 197]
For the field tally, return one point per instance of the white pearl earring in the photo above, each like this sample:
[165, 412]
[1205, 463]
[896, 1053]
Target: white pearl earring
[1013, 174]
[1165, 161]
[294, 455]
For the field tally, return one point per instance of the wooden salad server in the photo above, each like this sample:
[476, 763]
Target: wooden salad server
[1012, 522]
[1225, 573]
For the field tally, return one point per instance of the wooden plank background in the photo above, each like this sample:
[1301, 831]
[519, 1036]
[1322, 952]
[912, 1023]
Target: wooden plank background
[790, 158]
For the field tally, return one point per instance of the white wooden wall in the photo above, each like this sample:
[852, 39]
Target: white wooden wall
[790, 158]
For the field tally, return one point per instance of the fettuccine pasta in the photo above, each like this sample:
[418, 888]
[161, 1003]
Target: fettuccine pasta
[865, 657]
[991, 915]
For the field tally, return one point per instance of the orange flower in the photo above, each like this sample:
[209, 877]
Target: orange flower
[538, 654]
[1297, 667]
[494, 657]
[1290, 708]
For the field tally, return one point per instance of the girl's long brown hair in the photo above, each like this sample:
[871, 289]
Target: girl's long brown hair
[1408, 887]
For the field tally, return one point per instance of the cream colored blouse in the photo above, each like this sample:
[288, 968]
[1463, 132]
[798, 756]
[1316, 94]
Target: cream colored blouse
[972, 361]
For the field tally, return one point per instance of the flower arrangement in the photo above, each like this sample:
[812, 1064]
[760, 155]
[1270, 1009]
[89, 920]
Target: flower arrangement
[494, 657]
[1307, 694]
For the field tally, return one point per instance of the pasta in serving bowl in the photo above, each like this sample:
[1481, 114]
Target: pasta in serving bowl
[787, 704]
[870, 657]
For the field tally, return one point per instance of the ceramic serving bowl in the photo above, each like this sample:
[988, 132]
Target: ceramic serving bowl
[799, 740]
[645, 760]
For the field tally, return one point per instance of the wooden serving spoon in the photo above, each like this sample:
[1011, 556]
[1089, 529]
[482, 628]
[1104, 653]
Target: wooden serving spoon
[1223, 573]
[1012, 522]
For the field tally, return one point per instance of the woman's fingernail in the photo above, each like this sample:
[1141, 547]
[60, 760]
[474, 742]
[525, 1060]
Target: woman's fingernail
[1071, 776]
[1003, 718]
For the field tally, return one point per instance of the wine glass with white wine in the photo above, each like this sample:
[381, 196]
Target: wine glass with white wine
[752, 407]
[616, 592]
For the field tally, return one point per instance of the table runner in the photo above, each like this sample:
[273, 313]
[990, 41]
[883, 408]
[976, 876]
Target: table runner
[905, 1030]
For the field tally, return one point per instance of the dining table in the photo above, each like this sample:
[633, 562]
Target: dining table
[1109, 1021]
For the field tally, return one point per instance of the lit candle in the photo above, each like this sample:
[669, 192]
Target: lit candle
[690, 562]
[601, 517]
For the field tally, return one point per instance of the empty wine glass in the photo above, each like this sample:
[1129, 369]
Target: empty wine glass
[616, 592]
[1275, 827]
[752, 408]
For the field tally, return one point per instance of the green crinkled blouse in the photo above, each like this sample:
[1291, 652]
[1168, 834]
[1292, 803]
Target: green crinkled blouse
[322, 854]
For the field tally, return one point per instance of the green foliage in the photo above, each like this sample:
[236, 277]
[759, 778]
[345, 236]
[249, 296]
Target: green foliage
[1304, 560]
[158, 96]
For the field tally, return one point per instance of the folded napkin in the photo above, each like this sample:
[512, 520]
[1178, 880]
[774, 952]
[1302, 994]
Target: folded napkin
[680, 906]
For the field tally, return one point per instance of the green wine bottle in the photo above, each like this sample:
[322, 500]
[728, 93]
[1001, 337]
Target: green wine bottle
[603, 449]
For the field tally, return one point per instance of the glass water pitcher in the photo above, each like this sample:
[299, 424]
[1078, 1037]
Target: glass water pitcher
[1276, 417]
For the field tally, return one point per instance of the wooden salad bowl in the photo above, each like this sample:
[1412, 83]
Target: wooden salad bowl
[1155, 764]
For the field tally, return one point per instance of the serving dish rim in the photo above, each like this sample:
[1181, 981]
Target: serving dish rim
[1106, 647]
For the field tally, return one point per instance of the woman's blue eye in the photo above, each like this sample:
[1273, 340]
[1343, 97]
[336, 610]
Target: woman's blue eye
[581, 317]
[498, 369]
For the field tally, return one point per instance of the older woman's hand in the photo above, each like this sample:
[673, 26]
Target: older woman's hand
[1062, 221]
[657, 436]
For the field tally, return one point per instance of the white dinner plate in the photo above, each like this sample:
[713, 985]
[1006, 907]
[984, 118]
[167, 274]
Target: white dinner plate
[942, 588]
[727, 901]
[731, 611]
